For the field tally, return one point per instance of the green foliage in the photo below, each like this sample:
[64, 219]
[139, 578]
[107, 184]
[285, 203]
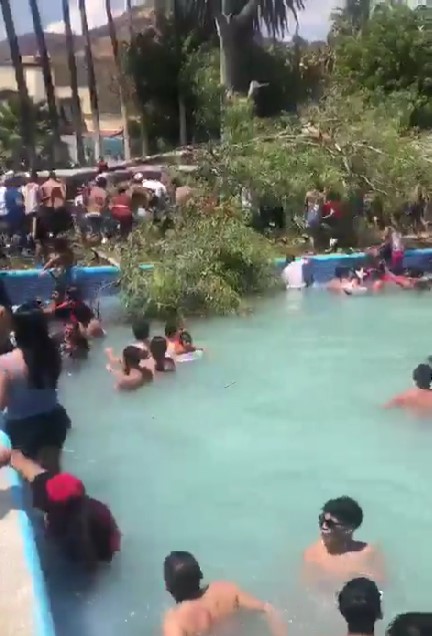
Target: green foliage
[347, 145]
[11, 144]
[391, 53]
[207, 265]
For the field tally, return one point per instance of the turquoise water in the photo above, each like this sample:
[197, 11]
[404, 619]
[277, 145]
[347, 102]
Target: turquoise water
[233, 458]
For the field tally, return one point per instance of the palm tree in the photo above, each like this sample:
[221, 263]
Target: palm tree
[48, 80]
[130, 19]
[27, 131]
[73, 72]
[94, 100]
[120, 79]
[233, 17]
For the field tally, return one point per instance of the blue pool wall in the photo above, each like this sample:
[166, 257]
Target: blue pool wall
[24, 285]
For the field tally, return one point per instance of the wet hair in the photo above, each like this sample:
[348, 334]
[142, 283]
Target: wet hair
[73, 293]
[158, 348]
[341, 272]
[141, 329]
[289, 259]
[411, 624]
[39, 350]
[101, 181]
[132, 357]
[171, 329]
[183, 576]
[185, 338]
[360, 604]
[346, 510]
[422, 376]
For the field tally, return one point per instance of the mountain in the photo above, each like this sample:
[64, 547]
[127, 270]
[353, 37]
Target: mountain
[56, 42]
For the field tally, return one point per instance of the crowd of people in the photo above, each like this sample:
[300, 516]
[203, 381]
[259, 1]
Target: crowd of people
[34, 210]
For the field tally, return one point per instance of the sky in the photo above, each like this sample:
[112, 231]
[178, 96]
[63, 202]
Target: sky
[314, 20]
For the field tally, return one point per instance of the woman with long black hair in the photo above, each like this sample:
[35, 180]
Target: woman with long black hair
[34, 420]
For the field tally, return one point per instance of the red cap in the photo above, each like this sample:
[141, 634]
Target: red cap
[64, 487]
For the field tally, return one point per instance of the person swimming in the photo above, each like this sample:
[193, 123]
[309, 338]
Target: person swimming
[341, 277]
[337, 556]
[199, 609]
[141, 333]
[172, 333]
[419, 398]
[359, 602]
[132, 374]
[75, 345]
[162, 360]
[90, 324]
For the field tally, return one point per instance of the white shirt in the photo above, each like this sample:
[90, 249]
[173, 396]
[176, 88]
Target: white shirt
[31, 197]
[3, 210]
[156, 186]
[292, 274]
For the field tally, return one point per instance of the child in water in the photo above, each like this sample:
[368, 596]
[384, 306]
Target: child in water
[162, 360]
[132, 375]
[75, 345]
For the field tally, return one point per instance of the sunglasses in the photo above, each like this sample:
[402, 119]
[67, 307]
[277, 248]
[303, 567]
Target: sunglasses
[329, 522]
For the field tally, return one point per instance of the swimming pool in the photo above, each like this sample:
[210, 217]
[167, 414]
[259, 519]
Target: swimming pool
[233, 458]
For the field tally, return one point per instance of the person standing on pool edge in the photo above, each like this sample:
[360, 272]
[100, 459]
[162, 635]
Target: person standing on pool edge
[337, 556]
[360, 604]
[200, 609]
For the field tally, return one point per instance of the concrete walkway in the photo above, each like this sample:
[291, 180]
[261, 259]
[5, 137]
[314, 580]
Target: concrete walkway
[17, 595]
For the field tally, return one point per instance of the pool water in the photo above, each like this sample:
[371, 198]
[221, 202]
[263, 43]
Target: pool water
[233, 458]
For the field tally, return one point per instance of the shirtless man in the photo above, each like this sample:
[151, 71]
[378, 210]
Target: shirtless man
[418, 400]
[199, 608]
[337, 557]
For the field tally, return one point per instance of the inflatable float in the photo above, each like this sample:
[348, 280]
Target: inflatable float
[190, 356]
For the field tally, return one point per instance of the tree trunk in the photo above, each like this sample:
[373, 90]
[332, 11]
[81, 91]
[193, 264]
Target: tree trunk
[26, 106]
[94, 101]
[48, 82]
[76, 103]
[130, 19]
[228, 24]
[182, 120]
[121, 83]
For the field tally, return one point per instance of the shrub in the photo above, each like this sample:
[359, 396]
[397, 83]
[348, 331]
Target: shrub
[208, 264]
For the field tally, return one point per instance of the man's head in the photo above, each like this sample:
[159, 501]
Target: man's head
[141, 330]
[171, 329]
[360, 604]
[289, 259]
[411, 624]
[138, 177]
[422, 376]
[101, 181]
[182, 575]
[339, 518]
[52, 175]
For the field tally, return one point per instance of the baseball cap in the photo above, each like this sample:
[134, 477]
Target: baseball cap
[64, 488]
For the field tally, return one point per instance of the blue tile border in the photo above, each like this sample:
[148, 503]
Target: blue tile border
[24, 285]
[43, 620]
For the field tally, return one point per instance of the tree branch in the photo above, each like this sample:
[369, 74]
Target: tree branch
[248, 12]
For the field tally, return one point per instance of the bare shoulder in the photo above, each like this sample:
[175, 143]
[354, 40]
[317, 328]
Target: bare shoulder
[311, 554]
[223, 587]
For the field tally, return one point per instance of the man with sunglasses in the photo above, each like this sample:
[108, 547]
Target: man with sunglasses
[337, 556]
